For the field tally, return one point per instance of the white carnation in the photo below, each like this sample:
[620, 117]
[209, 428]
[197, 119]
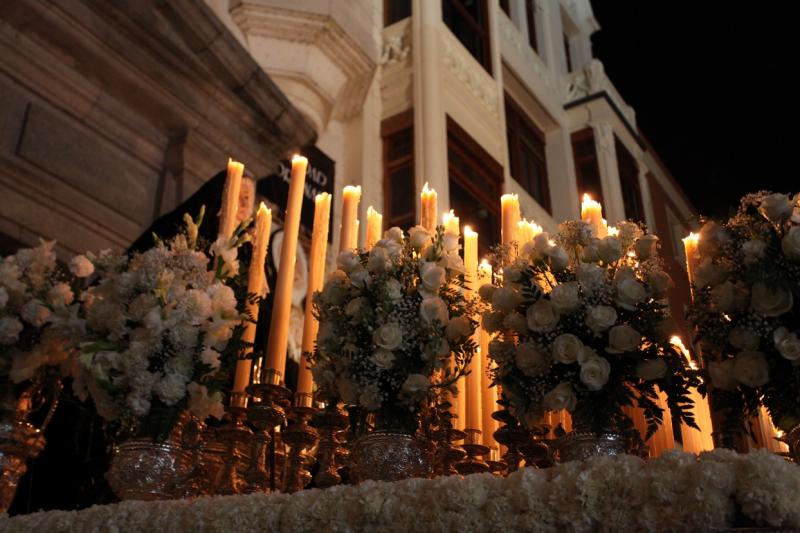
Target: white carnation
[60, 295]
[202, 405]
[34, 313]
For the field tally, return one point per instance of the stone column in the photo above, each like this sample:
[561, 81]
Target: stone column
[430, 126]
[561, 176]
[647, 200]
[613, 205]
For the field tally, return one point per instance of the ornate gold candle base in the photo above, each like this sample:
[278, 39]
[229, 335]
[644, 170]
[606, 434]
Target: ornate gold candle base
[448, 453]
[331, 423]
[235, 438]
[496, 465]
[265, 414]
[300, 437]
[472, 463]
[513, 437]
[538, 452]
[19, 440]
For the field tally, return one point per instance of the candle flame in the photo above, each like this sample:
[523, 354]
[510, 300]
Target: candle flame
[692, 237]
[586, 198]
[426, 188]
[613, 231]
[321, 196]
[468, 231]
[262, 208]
[297, 158]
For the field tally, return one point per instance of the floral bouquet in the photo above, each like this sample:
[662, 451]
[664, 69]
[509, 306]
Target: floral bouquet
[580, 325]
[162, 331]
[745, 278]
[395, 327]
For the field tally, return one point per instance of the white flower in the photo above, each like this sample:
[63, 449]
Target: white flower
[751, 368]
[787, 343]
[458, 328]
[770, 301]
[416, 385]
[196, 304]
[659, 281]
[506, 299]
[753, 250]
[394, 234]
[450, 242]
[591, 252]
[432, 277]
[419, 238]
[356, 306]
[600, 317]
[452, 263]
[80, 266]
[712, 237]
[776, 208]
[379, 260]
[3, 297]
[394, 291]
[589, 276]
[348, 261]
[434, 309]
[722, 376]
[516, 322]
[389, 336]
[361, 279]
[486, 292]
[561, 397]
[790, 244]
[382, 358]
[530, 359]
[623, 338]
[565, 296]
[594, 372]
[542, 316]
[629, 293]
[393, 248]
[728, 297]
[567, 348]
[494, 321]
[651, 369]
[34, 313]
[10, 328]
[610, 249]
[557, 257]
[210, 357]
[335, 290]
[60, 295]
[743, 338]
[646, 246]
[201, 404]
[225, 250]
[709, 274]
[223, 300]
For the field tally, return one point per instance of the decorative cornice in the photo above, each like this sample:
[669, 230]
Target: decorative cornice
[471, 74]
[396, 45]
[540, 70]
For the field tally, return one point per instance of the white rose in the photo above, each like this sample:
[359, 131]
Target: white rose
[646, 246]
[594, 372]
[565, 296]
[486, 292]
[712, 237]
[419, 238]
[516, 322]
[561, 397]
[393, 248]
[450, 242]
[356, 306]
[506, 299]
[589, 276]
[591, 252]
[432, 277]
[776, 208]
[394, 234]
[557, 257]
[493, 321]
[335, 290]
[530, 359]
[753, 250]
[433, 309]
[751, 368]
[388, 336]
[394, 291]
[458, 328]
[629, 231]
[610, 249]
[629, 293]
[787, 344]
[722, 376]
[728, 296]
[81, 267]
[567, 348]
[623, 338]
[10, 328]
[530, 252]
[542, 316]
[452, 262]
[416, 385]
[60, 295]
[659, 281]
[791, 243]
[600, 317]
[34, 314]
[651, 369]
[709, 274]
[348, 261]
[743, 338]
[512, 274]
[383, 358]
[770, 301]
[379, 260]
[361, 279]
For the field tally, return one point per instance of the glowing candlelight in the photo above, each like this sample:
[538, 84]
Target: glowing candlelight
[230, 199]
[348, 236]
[374, 227]
[592, 213]
[690, 247]
[450, 222]
[429, 200]
[488, 395]
[510, 215]
[473, 380]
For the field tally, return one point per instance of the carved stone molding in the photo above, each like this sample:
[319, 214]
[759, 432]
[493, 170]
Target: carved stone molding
[396, 46]
[604, 139]
[591, 80]
[511, 34]
[471, 74]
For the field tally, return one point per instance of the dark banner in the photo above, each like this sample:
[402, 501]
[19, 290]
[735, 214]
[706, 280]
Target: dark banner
[319, 178]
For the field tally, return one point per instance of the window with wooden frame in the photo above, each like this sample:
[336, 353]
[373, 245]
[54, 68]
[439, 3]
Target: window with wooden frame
[587, 170]
[530, 15]
[526, 153]
[399, 206]
[395, 11]
[476, 183]
[469, 22]
[629, 180]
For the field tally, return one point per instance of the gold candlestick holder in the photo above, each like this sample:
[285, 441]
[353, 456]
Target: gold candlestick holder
[513, 437]
[331, 422]
[234, 437]
[537, 451]
[299, 436]
[496, 465]
[267, 412]
[448, 452]
[473, 462]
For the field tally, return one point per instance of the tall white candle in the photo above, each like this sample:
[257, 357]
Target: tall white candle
[351, 196]
[429, 204]
[374, 227]
[230, 199]
[474, 379]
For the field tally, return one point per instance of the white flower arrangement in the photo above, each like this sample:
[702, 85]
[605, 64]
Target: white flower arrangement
[161, 330]
[675, 492]
[579, 324]
[746, 279]
[394, 323]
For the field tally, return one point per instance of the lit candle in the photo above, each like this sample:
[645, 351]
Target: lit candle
[374, 227]
[524, 232]
[473, 380]
[613, 231]
[255, 285]
[316, 275]
[509, 205]
[690, 247]
[429, 200]
[230, 199]
[282, 305]
[489, 395]
[349, 232]
[354, 235]
[592, 213]
[450, 222]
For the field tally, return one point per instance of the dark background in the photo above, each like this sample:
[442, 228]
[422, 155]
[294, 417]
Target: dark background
[713, 87]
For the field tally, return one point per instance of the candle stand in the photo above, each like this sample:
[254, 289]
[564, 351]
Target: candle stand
[264, 414]
[234, 438]
[300, 437]
[448, 452]
[513, 437]
[330, 423]
[473, 462]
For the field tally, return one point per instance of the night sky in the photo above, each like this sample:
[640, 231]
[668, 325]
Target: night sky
[713, 87]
